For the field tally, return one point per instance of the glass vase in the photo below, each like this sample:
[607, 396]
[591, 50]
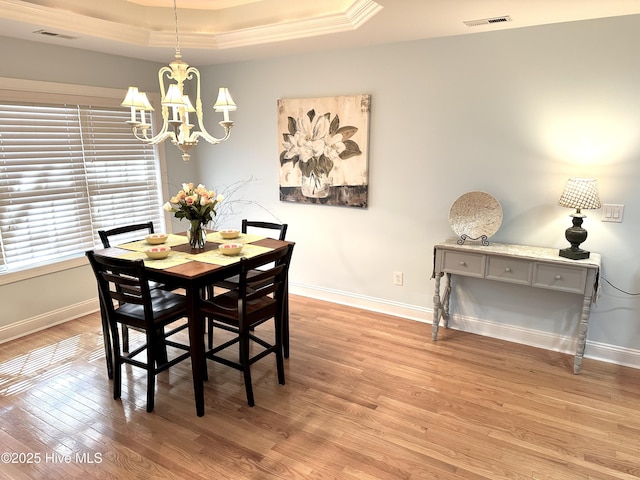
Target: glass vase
[197, 235]
[316, 186]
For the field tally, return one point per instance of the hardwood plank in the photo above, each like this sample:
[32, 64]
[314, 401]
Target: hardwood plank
[367, 396]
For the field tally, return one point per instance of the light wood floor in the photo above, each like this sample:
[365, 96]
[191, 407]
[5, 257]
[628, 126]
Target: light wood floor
[368, 396]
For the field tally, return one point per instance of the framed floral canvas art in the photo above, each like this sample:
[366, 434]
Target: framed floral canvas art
[323, 146]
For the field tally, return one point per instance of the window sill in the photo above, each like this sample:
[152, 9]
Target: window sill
[33, 272]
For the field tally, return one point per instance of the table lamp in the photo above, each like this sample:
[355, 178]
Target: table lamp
[579, 193]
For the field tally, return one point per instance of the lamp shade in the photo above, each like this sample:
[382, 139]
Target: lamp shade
[224, 101]
[580, 193]
[133, 99]
[173, 97]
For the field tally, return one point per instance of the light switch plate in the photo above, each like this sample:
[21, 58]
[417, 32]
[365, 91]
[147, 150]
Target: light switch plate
[612, 213]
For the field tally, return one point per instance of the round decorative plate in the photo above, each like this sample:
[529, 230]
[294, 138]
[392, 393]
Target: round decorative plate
[475, 215]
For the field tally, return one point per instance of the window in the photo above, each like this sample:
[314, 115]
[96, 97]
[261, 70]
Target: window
[68, 170]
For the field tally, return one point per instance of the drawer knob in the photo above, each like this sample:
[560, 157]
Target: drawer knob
[558, 277]
[508, 269]
[462, 263]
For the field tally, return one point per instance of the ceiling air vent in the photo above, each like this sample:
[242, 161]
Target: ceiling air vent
[487, 21]
[54, 34]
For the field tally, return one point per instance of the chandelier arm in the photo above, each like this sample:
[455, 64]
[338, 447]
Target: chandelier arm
[159, 138]
[163, 134]
[161, 72]
[199, 114]
[211, 139]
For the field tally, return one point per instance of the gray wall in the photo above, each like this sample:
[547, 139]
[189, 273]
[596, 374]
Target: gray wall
[513, 113]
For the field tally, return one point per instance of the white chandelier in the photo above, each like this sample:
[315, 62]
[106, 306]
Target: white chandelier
[176, 107]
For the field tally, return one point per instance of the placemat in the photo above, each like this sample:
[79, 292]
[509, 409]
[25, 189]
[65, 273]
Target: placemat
[173, 259]
[142, 245]
[243, 238]
[218, 258]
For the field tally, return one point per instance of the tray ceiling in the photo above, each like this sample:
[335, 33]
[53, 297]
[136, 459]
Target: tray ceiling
[216, 31]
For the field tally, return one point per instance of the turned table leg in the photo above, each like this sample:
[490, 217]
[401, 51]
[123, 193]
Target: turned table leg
[582, 334]
[445, 300]
[437, 307]
[441, 304]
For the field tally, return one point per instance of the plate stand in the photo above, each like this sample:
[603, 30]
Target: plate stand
[483, 238]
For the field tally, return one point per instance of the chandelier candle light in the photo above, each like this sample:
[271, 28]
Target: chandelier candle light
[579, 193]
[176, 107]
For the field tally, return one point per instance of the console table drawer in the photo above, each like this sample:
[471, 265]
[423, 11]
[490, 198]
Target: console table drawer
[559, 277]
[510, 270]
[469, 264]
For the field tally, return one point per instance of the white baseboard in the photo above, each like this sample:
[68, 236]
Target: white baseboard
[511, 333]
[372, 304]
[46, 320]
[595, 350]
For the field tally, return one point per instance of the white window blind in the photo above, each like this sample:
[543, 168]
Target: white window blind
[67, 171]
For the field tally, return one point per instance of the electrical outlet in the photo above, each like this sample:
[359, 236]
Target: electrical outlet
[397, 278]
[612, 213]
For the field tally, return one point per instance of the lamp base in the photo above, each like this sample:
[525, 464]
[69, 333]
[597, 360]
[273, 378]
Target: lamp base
[574, 254]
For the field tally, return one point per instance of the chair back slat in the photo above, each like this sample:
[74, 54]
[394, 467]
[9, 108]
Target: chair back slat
[265, 282]
[105, 235]
[263, 276]
[124, 294]
[263, 291]
[281, 228]
[120, 280]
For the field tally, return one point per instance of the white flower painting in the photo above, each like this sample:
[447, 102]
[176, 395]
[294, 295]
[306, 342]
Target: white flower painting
[323, 146]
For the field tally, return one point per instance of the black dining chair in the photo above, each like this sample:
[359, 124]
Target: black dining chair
[232, 283]
[106, 236]
[258, 298]
[127, 300]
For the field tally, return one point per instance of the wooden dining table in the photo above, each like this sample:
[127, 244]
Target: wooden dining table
[193, 276]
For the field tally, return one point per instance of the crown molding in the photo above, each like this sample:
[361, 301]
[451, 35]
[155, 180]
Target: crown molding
[74, 24]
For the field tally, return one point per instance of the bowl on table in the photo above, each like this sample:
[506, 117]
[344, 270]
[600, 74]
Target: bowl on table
[229, 233]
[156, 238]
[157, 253]
[230, 248]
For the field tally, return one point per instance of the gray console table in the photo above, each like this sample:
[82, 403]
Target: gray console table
[519, 264]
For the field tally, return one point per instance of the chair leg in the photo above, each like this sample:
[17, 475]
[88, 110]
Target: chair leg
[246, 366]
[285, 323]
[151, 369]
[210, 332]
[117, 379]
[117, 364]
[279, 324]
[205, 373]
[160, 353]
[280, 366]
[151, 387]
[106, 338]
[208, 294]
[125, 338]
